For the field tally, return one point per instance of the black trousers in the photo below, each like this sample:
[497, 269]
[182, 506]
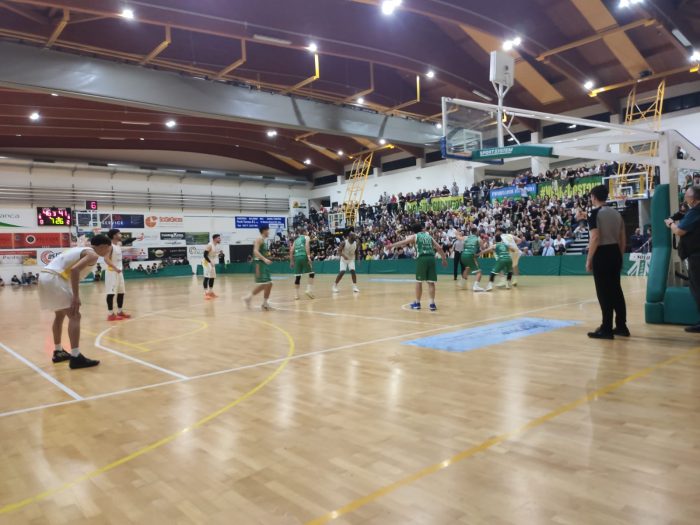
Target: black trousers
[458, 264]
[694, 275]
[607, 265]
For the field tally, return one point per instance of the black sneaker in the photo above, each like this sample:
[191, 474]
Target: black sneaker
[599, 334]
[622, 331]
[80, 361]
[60, 355]
[695, 329]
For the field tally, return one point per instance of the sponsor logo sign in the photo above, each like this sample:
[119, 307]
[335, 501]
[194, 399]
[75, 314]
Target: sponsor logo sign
[253, 223]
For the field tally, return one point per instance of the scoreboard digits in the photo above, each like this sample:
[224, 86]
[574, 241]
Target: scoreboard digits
[54, 217]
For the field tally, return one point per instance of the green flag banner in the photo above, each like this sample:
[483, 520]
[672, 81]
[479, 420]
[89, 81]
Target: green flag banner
[435, 204]
[561, 188]
[508, 152]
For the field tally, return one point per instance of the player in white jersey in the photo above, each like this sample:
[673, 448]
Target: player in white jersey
[511, 241]
[348, 255]
[59, 292]
[211, 255]
[114, 277]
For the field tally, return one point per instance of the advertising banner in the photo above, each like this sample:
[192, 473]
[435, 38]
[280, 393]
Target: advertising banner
[34, 240]
[435, 204]
[253, 223]
[512, 192]
[172, 236]
[192, 238]
[18, 218]
[298, 205]
[164, 221]
[167, 252]
[18, 257]
[562, 188]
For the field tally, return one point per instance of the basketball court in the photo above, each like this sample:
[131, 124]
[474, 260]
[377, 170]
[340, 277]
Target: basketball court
[320, 411]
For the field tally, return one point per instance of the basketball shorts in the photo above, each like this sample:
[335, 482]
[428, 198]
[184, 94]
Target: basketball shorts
[302, 266]
[347, 265]
[503, 266]
[426, 269]
[54, 292]
[262, 273]
[209, 269]
[469, 261]
[114, 282]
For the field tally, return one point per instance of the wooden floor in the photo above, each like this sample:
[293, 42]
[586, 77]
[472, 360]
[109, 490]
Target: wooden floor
[204, 412]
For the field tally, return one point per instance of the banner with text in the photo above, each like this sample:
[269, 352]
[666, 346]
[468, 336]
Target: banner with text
[253, 223]
[34, 240]
[298, 205]
[561, 188]
[512, 192]
[18, 257]
[168, 252]
[435, 204]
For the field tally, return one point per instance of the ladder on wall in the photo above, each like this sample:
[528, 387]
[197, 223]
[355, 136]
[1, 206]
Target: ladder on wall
[633, 180]
[355, 187]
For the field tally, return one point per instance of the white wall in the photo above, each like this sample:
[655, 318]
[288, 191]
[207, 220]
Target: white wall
[23, 215]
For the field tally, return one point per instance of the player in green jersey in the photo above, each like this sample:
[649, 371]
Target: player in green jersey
[425, 262]
[261, 261]
[472, 250]
[300, 262]
[504, 263]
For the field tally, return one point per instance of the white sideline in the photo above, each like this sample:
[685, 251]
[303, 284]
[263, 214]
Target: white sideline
[43, 374]
[293, 358]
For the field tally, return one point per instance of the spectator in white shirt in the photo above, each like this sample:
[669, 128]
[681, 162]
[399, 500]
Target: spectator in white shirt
[548, 250]
[559, 245]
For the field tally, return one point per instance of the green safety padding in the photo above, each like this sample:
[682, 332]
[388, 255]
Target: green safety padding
[654, 313]
[679, 307]
[661, 245]
[538, 265]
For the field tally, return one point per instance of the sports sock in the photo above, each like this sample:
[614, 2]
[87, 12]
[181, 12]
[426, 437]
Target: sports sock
[58, 347]
[75, 352]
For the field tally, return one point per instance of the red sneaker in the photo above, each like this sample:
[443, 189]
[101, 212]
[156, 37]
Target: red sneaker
[112, 317]
[123, 315]
[213, 295]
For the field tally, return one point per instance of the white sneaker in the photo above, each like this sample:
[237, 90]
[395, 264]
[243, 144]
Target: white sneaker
[309, 294]
[335, 289]
[514, 283]
[489, 287]
[247, 300]
[355, 289]
[500, 285]
[266, 306]
[508, 286]
[478, 288]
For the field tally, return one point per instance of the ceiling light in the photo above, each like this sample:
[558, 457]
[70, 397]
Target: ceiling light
[171, 123]
[430, 74]
[360, 100]
[438, 125]
[54, 94]
[127, 13]
[18, 135]
[629, 3]
[271, 133]
[34, 116]
[382, 141]
[589, 85]
[511, 139]
[573, 126]
[141, 138]
[272, 40]
[389, 6]
[312, 47]
[307, 161]
[340, 152]
[695, 57]
[510, 44]
[681, 37]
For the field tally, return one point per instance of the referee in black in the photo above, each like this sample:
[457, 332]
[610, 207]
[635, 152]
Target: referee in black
[605, 250]
[458, 248]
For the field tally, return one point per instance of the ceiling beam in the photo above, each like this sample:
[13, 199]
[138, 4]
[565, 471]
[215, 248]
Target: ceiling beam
[159, 48]
[94, 79]
[59, 28]
[25, 13]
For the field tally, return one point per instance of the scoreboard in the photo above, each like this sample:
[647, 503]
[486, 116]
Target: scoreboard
[54, 217]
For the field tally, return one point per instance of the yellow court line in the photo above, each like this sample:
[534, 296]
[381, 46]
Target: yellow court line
[119, 341]
[11, 507]
[491, 442]
[203, 326]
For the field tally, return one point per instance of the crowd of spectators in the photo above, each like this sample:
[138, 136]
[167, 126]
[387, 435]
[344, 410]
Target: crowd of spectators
[547, 226]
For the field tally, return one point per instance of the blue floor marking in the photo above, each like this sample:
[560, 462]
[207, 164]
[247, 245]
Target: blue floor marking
[491, 334]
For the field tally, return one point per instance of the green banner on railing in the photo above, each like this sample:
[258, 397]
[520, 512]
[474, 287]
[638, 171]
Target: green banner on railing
[435, 204]
[508, 152]
[562, 188]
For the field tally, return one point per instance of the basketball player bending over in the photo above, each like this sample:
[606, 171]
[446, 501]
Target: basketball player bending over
[59, 285]
[114, 280]
[511, 242]
[211, 255]
[262, 272]
[472, 250]
[425, 264]
[300, 262]
[348, 254]
[504, 264]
